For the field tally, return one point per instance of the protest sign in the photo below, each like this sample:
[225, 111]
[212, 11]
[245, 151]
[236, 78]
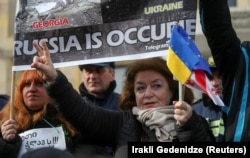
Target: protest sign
[42, 137]
[89, 31]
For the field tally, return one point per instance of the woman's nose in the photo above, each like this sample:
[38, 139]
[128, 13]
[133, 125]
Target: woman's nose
[32, 86]
[148, 92]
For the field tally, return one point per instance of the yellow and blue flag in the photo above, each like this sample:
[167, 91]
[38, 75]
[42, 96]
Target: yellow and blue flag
[185, 62]
[183, 55]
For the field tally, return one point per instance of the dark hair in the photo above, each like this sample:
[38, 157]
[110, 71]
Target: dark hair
[127, 99]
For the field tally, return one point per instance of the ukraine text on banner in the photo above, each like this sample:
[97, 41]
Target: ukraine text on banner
[188, 67]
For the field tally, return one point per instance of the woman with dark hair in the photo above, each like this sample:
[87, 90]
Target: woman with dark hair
[158, 65]
[149, 99]
[33, 110]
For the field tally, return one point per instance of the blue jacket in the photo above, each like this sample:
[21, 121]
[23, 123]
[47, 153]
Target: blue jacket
[231, 57]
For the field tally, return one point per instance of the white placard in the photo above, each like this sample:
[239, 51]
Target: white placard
[42, 137]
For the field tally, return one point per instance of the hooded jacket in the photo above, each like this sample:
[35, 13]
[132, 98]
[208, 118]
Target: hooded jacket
[231, 57]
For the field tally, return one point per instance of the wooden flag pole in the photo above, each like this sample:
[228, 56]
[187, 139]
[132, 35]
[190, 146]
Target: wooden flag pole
[12, 94]
[180, 91]
[181, 95]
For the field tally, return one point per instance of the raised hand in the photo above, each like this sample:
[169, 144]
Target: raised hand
[43, 62]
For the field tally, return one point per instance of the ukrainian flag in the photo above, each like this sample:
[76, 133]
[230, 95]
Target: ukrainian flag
[183, 55]
[187, 65]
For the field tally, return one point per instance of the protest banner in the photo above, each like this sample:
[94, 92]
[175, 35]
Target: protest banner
[89, 31]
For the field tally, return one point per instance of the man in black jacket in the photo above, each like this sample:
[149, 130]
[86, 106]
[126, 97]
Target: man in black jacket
[231, 57]
[98, 85]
